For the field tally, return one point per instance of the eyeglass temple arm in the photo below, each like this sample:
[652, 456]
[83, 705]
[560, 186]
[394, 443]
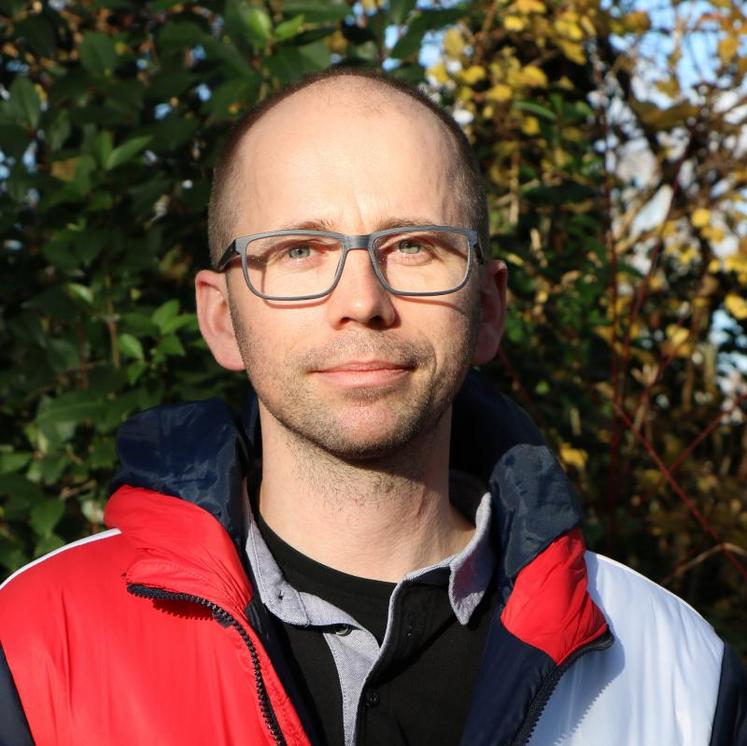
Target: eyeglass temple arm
[228, 254]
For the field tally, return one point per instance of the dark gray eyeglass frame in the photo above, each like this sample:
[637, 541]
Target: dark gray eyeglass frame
[351, 242]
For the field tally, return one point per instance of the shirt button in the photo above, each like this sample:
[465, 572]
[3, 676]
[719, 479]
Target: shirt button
[343, 629]
[372, 698]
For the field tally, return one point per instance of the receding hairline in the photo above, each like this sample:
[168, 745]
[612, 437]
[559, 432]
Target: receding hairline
[376, 88]
[378, 101]
[355, 86]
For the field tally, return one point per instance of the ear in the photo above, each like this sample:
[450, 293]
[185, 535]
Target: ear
[493, 279]
[214, 318]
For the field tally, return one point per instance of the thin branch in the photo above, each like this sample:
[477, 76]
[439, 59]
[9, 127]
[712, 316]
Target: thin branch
[695, 561]
[689, 503]
[707, 430]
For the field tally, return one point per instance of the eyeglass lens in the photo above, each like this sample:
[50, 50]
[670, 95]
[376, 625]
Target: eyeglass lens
[424, 261]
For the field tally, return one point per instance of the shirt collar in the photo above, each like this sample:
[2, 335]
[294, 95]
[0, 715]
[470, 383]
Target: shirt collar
[466, 574]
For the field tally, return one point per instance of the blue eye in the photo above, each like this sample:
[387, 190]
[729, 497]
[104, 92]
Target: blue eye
[301, 251]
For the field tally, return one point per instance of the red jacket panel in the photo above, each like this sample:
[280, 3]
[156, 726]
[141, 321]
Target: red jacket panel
[95, 664]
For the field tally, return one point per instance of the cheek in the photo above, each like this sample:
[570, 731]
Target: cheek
[269, 340]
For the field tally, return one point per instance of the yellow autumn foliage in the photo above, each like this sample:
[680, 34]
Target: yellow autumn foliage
[438, 73]
[575, 457]
[573, 51]
[454, 42]
[728, 48]
[499, 92]
[529, 6]
[736, 305]
[514, 23]
[473, 75]
[701, 217]
[530, 126]
[533, 77]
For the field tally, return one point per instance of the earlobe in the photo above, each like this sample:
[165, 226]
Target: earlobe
[214, 318]
[492, 311]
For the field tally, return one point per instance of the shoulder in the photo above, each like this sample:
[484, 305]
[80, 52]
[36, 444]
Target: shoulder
[658, 683]
[73, 567]
[645, 617]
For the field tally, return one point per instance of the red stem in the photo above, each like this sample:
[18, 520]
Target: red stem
[689, 504]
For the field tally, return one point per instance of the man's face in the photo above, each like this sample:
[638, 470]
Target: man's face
[360, 372]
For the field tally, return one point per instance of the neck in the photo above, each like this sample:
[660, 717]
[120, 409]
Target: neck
[380, 518]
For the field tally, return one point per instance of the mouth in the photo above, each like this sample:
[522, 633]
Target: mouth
[364, 373]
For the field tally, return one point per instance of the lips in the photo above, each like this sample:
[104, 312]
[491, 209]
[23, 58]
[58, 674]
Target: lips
[364, 365]
[364, 373]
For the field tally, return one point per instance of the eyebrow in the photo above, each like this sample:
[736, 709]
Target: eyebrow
[324, 224]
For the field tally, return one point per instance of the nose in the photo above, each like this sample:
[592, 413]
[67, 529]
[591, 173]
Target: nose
[359, 296]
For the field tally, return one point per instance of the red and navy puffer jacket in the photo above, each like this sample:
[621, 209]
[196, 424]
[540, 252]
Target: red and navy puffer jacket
[151, 632]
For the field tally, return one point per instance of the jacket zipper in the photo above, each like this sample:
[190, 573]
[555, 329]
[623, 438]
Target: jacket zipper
[548, 687]
[226, 619]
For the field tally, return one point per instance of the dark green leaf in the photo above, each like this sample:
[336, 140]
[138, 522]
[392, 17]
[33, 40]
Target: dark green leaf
[400, 9]
[47, 544]
[172, 132]
[290, 62]
[226, 52]
[103, 454]
[181, 35]
[170, 81]
[130, 346]
[288, 29]
[101, 147]
[72, 408]
[81, 292]
[62, 355]
[169, 346]
[165, 313]
[126, 151]
[534, 108]
[22, 495]
[53, 301]
[58, 130]
[319, 11]
[11, 555]
[11, 461]
[230, 95]
[97, 53]
[38, 34]
[315, 55]
[251, 21]
[144, 195]
[13, 140]
[135, 371]
[24, 103]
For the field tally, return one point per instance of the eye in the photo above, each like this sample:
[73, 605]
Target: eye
[409, 246]
[299, 251]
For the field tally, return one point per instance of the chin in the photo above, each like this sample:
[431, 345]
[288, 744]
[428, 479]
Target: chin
[367, 439]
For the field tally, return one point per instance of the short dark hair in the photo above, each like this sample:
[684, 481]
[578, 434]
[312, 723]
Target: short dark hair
[469, 186]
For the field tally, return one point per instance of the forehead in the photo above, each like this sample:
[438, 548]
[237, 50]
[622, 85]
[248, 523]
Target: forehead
[345, 150]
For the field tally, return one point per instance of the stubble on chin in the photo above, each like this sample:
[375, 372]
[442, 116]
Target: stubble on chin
[373, 426]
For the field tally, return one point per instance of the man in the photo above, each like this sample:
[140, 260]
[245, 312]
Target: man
[375, 553]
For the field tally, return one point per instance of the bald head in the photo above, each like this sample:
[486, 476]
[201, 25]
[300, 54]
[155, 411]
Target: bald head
[334, 115]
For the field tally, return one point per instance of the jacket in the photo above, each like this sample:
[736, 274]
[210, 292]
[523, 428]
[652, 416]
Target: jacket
[152, 629]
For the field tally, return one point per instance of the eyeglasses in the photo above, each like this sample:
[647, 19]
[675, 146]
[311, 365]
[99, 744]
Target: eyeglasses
[293, 265]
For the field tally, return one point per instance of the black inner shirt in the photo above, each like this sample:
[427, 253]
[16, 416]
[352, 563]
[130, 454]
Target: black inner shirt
[420, 689]
[367, 601]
